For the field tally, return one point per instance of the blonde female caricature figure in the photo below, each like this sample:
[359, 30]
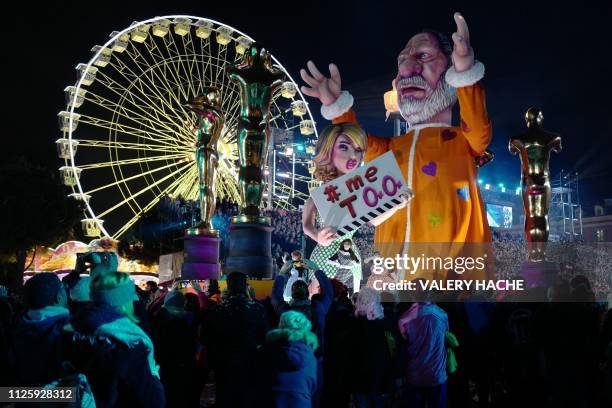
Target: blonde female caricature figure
[340, 149]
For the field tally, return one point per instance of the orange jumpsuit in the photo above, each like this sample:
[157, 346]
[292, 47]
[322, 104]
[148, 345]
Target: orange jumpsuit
[438, 161]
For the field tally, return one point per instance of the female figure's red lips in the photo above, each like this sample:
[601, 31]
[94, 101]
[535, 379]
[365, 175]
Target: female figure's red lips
[351, 164]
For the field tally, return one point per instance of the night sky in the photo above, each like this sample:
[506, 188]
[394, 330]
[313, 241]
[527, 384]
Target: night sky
[553, 56]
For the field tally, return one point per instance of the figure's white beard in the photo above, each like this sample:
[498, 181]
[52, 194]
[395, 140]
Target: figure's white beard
[416, 111]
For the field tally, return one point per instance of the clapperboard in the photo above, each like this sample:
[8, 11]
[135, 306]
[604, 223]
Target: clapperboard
[348, 202]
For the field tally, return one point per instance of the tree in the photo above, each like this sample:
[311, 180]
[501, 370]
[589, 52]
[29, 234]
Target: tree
[34, 210]
[143, 241]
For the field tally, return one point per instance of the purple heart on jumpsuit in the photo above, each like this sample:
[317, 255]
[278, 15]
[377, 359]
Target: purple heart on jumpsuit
[430, 169]
[448, 134]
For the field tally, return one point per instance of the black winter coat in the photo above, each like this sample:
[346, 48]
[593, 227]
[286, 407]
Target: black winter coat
[119, 376]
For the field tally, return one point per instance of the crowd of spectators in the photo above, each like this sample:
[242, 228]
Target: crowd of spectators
[170, 347]
[593, 260]
[288, 235]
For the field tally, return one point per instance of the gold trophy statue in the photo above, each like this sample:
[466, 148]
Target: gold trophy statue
[201, 243]
[250, 232]
[534, 148]
[208, 126]
[257, 80]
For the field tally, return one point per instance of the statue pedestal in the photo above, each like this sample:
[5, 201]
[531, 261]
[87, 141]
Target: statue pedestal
[540, 274]
[250, 250]
[201, 257]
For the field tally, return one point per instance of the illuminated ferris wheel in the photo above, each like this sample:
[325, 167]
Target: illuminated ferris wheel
[135, 139]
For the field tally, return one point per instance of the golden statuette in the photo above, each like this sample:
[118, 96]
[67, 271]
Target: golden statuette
[534, 149]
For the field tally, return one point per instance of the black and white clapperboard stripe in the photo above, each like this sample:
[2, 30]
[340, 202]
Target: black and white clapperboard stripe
[355, 224]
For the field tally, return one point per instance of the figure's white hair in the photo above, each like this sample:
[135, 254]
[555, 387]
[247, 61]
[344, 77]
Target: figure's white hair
[368, 304]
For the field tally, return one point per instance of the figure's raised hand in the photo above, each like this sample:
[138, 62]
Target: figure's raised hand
[327, 90]
[326, 236]
[463, 54]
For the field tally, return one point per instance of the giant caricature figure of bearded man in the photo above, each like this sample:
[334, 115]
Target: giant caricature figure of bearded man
[437, 158]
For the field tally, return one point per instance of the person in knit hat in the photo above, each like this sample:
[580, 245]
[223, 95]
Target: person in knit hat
[114, 353]
[37, 342]
[290, 378]
[174, 301]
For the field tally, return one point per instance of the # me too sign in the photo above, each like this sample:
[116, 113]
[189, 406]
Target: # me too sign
[349, 201]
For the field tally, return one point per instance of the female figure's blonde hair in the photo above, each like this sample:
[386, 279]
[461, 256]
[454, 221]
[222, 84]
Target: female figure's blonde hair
[324, 168]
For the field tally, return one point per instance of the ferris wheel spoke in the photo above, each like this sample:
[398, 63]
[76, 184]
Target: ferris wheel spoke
[224, 187]
[205, 49]
[109, 144]
[153, 113]
[293, 127]
[180, 183]
[168, 110]
[285, 189]
[174, 62]
[177, 64]
[208, 69]
[232, 104]
[226, 82]
[193, 192]
[126, 227]
[188, 63]
[229, 135]
[232, 187]
[178, 116]
[131, 116]
[129, 131]
[299, 177]
[301, 195]
[151, 76]
[150, 187]
[155, 77]
[232, 122]
[273, 119]
[130, 178]
[126, 162]
[126, 193]
[196, 64]
[148, 207]
[190, 188]
[175, 127]
[190, 177]
[221, 56]
[281, 114]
